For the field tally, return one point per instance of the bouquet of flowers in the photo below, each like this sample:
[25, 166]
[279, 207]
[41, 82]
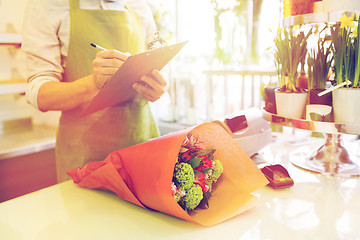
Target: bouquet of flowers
[195, 173]
[155, 175]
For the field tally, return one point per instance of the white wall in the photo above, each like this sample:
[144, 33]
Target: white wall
[12, 60]
[13, 67]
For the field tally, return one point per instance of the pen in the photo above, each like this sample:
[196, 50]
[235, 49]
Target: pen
[97, 46]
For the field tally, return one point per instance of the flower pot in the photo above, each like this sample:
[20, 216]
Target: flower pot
[301, 7]
[269, 99]
[302, 81]
[346, 105]
[320, 109]
[315, 99]
[290, 105]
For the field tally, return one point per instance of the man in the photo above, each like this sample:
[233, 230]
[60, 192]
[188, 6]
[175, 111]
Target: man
[64, 73]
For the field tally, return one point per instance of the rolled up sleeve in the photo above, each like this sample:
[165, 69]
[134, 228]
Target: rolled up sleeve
[42, 46]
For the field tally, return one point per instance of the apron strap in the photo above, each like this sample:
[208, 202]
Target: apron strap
[74, 4]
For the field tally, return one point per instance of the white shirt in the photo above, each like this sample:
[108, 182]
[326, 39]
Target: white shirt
[46, 36]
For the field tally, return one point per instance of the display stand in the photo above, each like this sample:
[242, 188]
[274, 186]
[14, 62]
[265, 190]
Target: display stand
[332, 158]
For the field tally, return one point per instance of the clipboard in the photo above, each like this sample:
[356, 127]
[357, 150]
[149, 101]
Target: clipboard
[118, 88]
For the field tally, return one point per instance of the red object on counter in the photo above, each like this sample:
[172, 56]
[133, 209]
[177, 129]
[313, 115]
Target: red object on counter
[278, 176]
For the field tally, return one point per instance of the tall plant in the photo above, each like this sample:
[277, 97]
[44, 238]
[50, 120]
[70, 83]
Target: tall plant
[357, 54]
[345, 38]
[319, 62]
[239, 9]
[290, 51]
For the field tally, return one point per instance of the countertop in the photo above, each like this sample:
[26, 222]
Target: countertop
[23, 141]
[316, 207]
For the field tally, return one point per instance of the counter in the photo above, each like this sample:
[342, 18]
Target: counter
[27, 160]
[316, 207]
[22, 141]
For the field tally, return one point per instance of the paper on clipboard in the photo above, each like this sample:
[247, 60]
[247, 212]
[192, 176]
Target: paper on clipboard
[119, 89]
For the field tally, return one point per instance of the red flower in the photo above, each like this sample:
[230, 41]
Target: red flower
[200, 176]
[200, 180]
[185, 156]
[206, 162]
[204, 186]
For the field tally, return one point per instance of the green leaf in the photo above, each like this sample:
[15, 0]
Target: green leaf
[194, 162]
[208, 151]
[357, 56]
[205, 170]
[204, 204]
[182, 150]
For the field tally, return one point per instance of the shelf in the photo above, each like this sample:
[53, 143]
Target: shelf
[243, 70]
[10, 39]
[320, 17]
[12, 88]
[332, 158]
[22, 141]
[315, 126]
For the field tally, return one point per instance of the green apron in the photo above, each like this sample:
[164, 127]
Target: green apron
[91, 138]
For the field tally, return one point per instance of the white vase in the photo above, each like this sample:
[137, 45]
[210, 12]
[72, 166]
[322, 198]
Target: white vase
[290, 105]
[346, 105]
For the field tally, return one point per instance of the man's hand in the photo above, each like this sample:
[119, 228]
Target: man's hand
[151, 86]
[106, 64]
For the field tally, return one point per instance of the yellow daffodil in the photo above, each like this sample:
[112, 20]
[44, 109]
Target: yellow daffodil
[296, 27]
[354, 33]
[346, 22]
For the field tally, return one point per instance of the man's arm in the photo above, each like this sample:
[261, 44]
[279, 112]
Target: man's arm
[65, 96]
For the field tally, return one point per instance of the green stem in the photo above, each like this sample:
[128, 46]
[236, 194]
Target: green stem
[357, 56]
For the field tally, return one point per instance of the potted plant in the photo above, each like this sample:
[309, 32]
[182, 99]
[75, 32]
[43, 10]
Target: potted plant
[290, 50]
[346, 51]
[319, 62]
[268, 93]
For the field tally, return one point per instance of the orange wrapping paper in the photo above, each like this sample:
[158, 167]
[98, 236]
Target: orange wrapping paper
[142, 174]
